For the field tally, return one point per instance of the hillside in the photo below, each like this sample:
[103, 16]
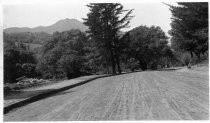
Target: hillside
[27, 37]
[61, 25]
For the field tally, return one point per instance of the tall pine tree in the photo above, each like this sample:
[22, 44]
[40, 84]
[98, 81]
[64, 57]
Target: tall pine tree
[190, 27]
[105, 21]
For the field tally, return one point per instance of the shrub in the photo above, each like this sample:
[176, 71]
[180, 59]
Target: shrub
[17, 63]
[29, 69]
[186, 58]
[63, 56]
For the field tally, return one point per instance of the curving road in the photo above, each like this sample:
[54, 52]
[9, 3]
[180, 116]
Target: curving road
[149, 95]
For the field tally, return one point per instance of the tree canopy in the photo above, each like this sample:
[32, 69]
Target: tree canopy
[105, 21]
[64, 55]
[18, 61]
[190, 27]
[147, 45]
[73, 53]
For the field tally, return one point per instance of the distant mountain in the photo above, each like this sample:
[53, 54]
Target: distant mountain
[62, 25]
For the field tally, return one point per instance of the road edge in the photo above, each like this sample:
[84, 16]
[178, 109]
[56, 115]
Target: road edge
[43, 95]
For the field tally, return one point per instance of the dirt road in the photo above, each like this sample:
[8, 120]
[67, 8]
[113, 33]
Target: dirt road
[12, 97]
[150, 95]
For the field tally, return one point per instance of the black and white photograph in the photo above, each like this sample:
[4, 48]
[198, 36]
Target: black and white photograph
[104, 61]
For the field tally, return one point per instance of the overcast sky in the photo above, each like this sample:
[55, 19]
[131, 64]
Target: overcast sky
[32, 15]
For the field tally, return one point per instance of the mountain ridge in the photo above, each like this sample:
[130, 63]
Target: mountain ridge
[61, 25]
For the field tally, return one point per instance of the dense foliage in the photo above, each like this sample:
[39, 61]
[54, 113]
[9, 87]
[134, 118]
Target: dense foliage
[18, 62]
[105, 21]
[64, 55]
[190, 27]
[73, 53]
[27, 37]
[148, 45]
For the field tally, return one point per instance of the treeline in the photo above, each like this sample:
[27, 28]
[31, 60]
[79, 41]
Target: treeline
[27, 37]
[65, 55]
[106, 49]
[190, 30]
[149, 46]
[18, 61]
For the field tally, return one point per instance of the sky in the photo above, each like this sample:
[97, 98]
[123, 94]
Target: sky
[39, 14]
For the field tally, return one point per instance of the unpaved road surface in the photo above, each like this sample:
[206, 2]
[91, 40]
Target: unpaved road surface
[149, 95]
[20, 95]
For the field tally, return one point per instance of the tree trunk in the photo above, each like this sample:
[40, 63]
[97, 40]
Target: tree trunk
[198, 55]
[118, 62]
[206, 53]
[107, 67]
[113, 63]
[191, 53]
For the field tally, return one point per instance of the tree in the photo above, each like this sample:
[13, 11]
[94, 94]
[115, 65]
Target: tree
[190, 27]
[27, 37]
[104, 22]
[64, 55]
[17, 62]
[146, 44]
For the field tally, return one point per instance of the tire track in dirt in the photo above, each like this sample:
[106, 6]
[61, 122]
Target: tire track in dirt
[149, 95]
[159, 109]
[185, 101]
[196, 95]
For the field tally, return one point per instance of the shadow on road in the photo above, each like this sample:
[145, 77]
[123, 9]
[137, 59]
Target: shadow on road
[168, 69]
[27, 94]
[46, 94]
[42, 94]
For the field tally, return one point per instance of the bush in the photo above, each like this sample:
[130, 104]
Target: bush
[47, 76]
[63, 56]
[186, 58]
[71, 65]
[18, 62]
[154, 66]
[132, 64]
[29, 70]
